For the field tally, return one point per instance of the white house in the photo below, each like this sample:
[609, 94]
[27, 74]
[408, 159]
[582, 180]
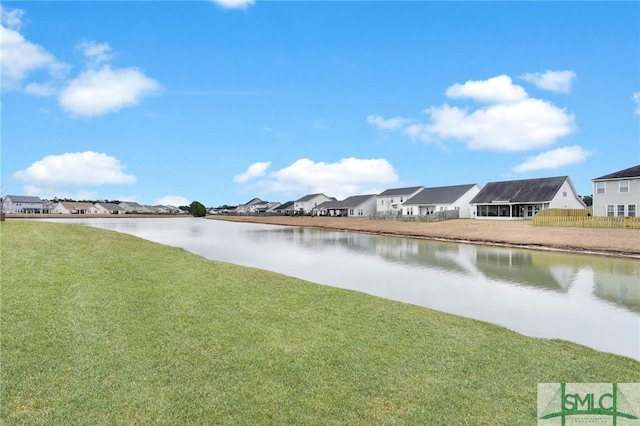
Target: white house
[306, 204]
[248, 207]
[107, 208]
[431, 200]
[133, 207]
[286, 208]
[356, 205]
[163, 209]
[68, 207]
[618, 193]
[522, 199]
[390, 201]
[22, 204]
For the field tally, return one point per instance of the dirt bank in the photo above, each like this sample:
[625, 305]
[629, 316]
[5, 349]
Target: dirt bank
[617, 242]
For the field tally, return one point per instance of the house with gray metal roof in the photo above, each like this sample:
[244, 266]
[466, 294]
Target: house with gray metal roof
[247, 207]
[617, 193]
[390, 201]
[443, 198]
[106, 208]
[72, 207]
[22, 204]
[286, 208]
[306, 204]
[356, 205]
[522, 199]
[134, 207]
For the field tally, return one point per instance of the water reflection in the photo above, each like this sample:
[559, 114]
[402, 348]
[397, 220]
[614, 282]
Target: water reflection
[592, 300]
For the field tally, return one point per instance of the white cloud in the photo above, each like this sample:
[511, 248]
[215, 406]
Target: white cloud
[93, 92]
[11, 18]
[636, 99]
[75, 169]
[19, 57]
[41, 89]
[95, 52]
[387, 124]
[521, 126]
[234, 4]
[172, 200]
[349, 176]
[512, 121]
[98, 92]
[498, 89]
[553, 159]
[255, 170]
[555, 81]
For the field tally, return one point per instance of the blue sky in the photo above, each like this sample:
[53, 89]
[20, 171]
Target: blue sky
[169, 102]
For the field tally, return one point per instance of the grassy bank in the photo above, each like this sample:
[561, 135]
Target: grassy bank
[104, 328]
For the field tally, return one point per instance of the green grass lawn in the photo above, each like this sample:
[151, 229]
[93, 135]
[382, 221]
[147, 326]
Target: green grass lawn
[103, 328]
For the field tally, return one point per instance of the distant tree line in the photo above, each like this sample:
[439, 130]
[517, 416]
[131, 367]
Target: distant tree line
[71, 200]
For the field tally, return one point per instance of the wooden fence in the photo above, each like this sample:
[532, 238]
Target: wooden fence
[435, 217]
[582, 218]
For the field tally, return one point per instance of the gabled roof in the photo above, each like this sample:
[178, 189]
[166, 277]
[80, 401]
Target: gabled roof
[631, 172]
[110, 206]
[348, 203]
[356, 200]
[520, 191]
[285, 206]
[439, 195]
[70, 205]
[399, 191]
[23, 199]
[253, 201]
[310, 197]
[131, 204]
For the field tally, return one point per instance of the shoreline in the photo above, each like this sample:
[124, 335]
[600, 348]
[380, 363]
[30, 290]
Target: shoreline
[618, 242]
[614, 242]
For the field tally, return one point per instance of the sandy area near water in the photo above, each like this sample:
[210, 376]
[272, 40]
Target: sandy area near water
[617, 242]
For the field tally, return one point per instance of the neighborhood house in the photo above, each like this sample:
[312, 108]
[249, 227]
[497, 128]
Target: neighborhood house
[22, 204]
[431, 200]
[390, 201]
[307, 203]
[618, 193]
[357, 205]
[522, 199]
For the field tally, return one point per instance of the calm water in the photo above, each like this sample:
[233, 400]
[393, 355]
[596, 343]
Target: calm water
[591, 300]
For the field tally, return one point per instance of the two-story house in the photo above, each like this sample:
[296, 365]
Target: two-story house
[617, 193]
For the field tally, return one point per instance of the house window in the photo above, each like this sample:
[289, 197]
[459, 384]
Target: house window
[600, 187]
[620, 209]
[631, 210]
[610, 210]
[564, 193]
[624, 186]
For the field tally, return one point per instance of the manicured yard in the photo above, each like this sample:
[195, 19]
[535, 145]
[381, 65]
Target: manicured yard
[104, 328]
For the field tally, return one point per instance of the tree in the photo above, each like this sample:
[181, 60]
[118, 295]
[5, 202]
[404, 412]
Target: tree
[588, 200]
[197, 209]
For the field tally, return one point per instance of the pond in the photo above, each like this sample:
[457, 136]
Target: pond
[587, 299]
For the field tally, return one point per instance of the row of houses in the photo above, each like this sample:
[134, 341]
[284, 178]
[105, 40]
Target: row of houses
[614, 194]
[34, 205]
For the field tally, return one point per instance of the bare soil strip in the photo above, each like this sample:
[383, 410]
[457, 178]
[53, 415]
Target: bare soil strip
[613, 242]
